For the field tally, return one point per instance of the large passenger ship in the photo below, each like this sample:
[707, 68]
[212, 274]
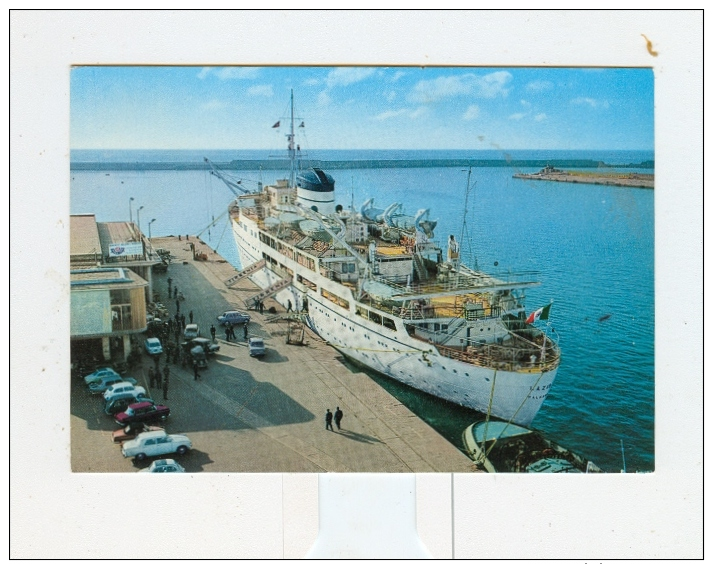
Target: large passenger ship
[374, 284]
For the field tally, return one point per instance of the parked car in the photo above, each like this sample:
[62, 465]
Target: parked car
[122, 401]
[233, 317]
[191, 331]
[104, 382]
[256, 346]
[131, 432]
[98, 374]
[142, 412]
[209, 347]
[153, 346]
[117, 390]
[164, 465]
[155, 443]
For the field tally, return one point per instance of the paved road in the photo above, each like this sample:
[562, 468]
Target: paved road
[264, 415]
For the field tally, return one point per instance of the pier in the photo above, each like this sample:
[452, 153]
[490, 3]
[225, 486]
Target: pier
[261, 415]
[629, 180]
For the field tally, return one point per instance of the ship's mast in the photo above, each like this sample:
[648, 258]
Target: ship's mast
[291, 140]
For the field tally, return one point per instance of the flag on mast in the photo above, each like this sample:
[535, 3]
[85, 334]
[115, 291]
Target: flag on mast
[276, 125]
[543, 313]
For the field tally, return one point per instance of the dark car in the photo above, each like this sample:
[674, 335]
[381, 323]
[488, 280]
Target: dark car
[142, 412]
[120, 403]
[131, 431]
[209, 347]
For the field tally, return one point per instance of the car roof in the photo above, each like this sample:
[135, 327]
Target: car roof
[152, 434]
[140, 404]
[192, 325]
[255, 340]
[153, 340]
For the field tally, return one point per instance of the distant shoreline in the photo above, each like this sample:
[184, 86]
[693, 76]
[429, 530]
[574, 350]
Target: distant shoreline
[631, 180]
[283, 164]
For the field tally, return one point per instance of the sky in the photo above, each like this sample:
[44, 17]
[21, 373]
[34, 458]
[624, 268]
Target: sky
[155, 107]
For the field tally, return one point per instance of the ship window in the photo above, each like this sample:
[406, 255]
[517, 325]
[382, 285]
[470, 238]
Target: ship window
[389, 323]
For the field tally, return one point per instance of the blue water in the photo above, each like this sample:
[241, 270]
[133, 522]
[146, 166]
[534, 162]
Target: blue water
[592, 245]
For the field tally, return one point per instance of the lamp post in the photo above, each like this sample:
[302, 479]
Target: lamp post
[150, 243]
[138, 219]
[131, 215]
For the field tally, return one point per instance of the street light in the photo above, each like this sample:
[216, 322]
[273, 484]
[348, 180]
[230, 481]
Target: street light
[138, 218]
[131, 215]
[150, 243]
[150, 222]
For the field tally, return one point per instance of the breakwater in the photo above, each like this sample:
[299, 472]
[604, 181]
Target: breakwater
[284, 164]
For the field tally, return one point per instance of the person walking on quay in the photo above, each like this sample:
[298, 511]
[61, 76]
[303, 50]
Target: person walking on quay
[183, 321]
[166, 373]
[245, 331]
[196, 374]
[338, 414]
[170, 281]
[152, 378]
[178, 305]
[261, 306]
[156, 361]
[328, 420]
[227, 332]
[212, 332]
[165, 389]
[289, 306]
[175, 292]
[190, 316]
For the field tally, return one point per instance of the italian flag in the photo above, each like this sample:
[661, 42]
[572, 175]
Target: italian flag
[543, 313]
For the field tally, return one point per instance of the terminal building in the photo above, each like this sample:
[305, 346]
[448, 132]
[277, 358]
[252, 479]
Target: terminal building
[110, 285]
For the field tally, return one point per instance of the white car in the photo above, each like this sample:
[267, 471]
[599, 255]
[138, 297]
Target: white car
[123, 388]
[256, 346]
[191, 331]
[233, 317]
[155, 443]
[164, 465]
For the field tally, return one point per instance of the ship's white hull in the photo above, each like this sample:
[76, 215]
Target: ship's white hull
[394, 353]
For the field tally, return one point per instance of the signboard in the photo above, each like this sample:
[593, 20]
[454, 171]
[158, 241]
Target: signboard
[126, 249]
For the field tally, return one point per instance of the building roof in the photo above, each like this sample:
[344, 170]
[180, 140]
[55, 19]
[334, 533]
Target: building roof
[84, 235]
[105, 278]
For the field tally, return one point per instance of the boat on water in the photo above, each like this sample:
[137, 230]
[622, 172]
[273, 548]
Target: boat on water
[375, 284]
[498, 446]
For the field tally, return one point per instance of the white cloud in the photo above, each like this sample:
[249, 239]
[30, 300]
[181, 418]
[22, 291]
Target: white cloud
[213, 105]
[525, 103]
[239, 73]
[390, 95]
[390, 114]
[591, 102]
[493, 84]
[312, 81]
[261, 90]
[418, 112]
[471, 113]
[516, 116]
[540, 117]
[205, 71]
[323, 99]
[487, 86]
[344, 76]
[398, 75]
[539, 85]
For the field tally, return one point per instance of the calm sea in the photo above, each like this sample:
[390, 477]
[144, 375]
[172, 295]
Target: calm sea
[593, 247]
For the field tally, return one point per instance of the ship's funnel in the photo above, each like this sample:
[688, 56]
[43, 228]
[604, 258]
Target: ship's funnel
[315, 190]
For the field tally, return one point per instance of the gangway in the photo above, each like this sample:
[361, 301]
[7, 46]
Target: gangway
[252, 301]
[254, 267]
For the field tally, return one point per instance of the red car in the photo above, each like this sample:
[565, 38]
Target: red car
[131, 431]
[142, 412]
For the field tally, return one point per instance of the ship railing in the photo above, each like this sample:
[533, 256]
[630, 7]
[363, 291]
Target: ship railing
[498, 356]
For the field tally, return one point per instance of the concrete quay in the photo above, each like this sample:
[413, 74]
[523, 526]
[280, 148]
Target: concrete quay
[262, 415]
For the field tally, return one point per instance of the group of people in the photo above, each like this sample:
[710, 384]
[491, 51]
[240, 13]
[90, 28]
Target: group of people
[336, 416]
[155, 379]
[230, 332]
